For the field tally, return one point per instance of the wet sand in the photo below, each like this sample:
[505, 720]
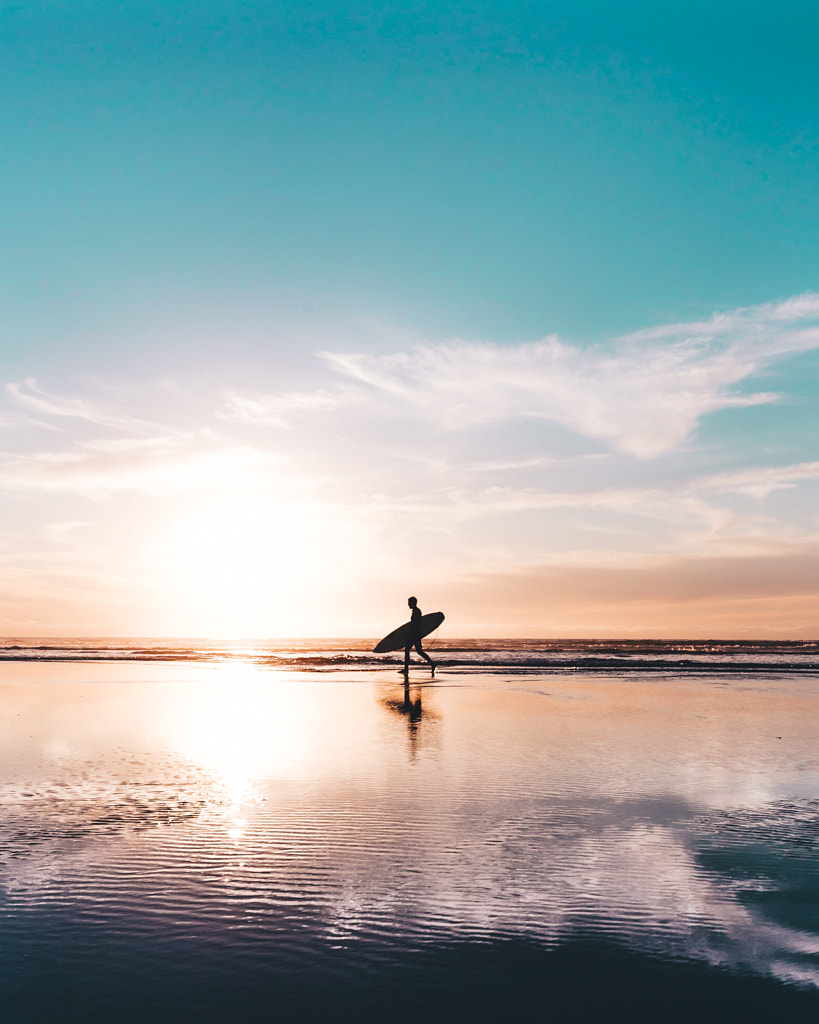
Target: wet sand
[202, 841]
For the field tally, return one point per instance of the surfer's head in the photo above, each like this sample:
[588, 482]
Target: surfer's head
[412, 601]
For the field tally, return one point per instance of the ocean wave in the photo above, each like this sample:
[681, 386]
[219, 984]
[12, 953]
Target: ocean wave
[557, 656]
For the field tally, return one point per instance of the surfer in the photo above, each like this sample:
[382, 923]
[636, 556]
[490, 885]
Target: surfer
[415, 636]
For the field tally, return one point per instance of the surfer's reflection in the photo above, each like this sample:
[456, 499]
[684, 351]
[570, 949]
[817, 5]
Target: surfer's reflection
[409, 706]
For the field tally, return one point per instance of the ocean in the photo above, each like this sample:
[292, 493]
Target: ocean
[505, 655]
[286, 831]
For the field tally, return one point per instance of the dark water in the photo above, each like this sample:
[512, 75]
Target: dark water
[211, 838]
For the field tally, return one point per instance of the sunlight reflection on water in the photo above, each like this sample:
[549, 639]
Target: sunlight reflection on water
[278, 818]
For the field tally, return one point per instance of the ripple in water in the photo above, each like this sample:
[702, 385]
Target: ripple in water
[292, 848]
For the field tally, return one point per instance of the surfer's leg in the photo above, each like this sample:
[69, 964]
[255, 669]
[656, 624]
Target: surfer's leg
[406, 657]
[424, 655]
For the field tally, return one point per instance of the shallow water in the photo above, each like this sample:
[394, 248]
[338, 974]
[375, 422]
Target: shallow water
[223, 841]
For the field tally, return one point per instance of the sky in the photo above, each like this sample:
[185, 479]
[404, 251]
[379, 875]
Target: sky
[306, 308]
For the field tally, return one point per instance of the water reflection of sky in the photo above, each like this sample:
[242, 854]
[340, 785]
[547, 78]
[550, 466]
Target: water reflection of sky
[304, 813]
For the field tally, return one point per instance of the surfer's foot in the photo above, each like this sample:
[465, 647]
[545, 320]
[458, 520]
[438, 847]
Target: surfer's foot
[433, 665]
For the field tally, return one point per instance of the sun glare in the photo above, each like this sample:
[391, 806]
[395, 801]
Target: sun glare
[243, 727]
[244, 568]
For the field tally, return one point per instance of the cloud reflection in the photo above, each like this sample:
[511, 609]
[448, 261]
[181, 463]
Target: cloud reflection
[316, 810]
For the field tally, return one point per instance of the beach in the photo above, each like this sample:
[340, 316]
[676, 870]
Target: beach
[491, 328]
[213, 833]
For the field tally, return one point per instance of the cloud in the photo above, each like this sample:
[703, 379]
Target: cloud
[748, 596]
[29, 395]
[157, 465]
[712, 516]
[661, 579]
[274, 409]
[153, 458]
[645, 394]
[760, 481]
[63, 532]
[683, 502]
[393, 452]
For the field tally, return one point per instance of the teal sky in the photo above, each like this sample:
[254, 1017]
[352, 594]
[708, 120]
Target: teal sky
[197, 200]
[482, 169]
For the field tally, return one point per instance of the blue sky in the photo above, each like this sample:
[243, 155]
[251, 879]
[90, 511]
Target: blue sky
[407, 271]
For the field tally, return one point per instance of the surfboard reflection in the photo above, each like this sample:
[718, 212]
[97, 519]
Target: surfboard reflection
[410, 707]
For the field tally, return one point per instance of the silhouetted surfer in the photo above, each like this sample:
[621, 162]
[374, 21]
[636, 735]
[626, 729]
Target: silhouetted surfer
[415, 636]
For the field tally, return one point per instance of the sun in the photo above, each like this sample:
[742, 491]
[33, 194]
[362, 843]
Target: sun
[245, 567]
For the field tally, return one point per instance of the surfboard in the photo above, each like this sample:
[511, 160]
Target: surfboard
[399, 638]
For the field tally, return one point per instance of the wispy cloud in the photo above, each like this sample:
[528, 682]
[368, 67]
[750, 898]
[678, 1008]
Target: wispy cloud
[707, 516]
[644, 394]
[275, 410]
[157, 466]
[760, 481]
[62, 532]
[29, 395]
